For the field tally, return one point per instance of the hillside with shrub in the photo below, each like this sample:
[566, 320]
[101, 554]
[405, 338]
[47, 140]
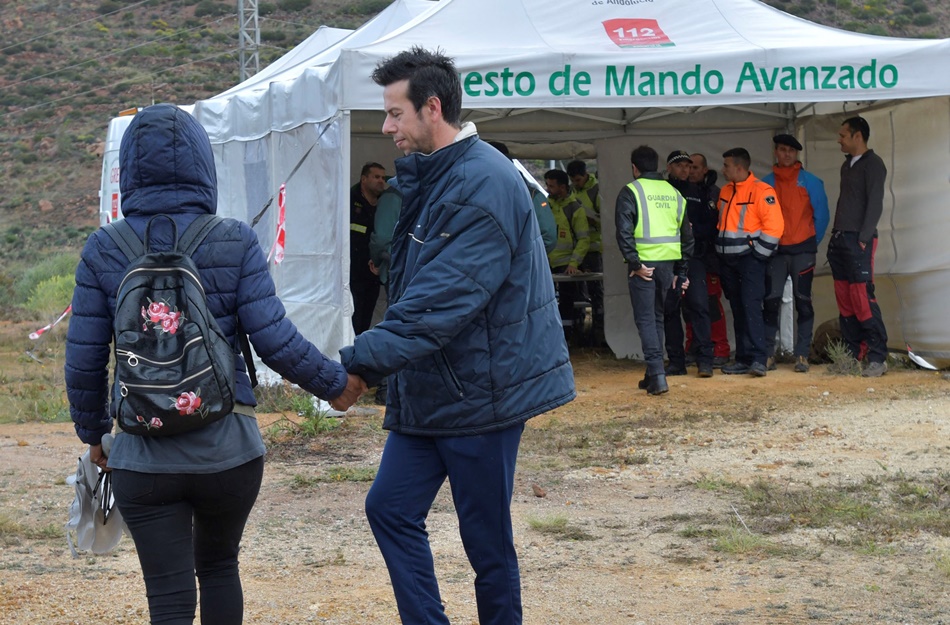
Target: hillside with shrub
[68, 66]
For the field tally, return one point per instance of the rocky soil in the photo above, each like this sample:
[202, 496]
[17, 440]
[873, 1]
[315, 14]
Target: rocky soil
[633, 476]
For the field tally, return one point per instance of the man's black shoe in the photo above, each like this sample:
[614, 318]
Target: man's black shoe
[758, 369]
[657, 384]
[642, 384]
[736, 368]
[720, 361]
[671, 370]
[705, 370]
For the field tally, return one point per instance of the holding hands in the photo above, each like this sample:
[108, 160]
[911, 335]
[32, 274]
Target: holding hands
[355, 386]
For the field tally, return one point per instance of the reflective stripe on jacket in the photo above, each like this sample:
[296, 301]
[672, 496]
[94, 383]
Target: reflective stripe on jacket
[573, 232]
[750, 219]
[657, 233]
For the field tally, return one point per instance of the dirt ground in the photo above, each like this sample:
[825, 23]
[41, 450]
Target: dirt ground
[309, 556]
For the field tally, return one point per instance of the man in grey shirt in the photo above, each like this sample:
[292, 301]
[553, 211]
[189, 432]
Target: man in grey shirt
[852, 246]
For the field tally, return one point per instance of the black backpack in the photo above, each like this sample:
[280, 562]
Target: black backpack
[174, 368]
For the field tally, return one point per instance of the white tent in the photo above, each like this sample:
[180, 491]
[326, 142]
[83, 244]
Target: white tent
[563, 78]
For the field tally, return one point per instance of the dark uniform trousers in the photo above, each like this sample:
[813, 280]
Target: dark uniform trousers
[860, 316]
[801, 267]
[694, 304]
[648, 299]
[743, 282]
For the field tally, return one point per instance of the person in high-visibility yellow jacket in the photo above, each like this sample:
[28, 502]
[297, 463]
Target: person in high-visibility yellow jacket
[573, 241]
[750, 227]
[587, 192]
[655, 239]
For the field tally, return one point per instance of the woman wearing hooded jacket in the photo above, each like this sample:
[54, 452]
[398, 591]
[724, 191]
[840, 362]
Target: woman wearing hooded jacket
[187, 497]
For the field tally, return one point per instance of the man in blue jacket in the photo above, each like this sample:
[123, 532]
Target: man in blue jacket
[471, 340]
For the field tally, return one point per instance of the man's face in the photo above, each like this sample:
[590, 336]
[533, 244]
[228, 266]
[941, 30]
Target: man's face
[731, 171]
[555, 190]
[785, 155]
[678, 170]
[697, 169]
[408, 127]
[579, 181]
[373, 183]
[847, 139]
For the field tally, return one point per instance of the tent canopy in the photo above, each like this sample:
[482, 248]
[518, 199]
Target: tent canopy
[568, 78]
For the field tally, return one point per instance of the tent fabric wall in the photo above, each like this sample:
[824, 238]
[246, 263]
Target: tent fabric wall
[913, 256]
[724, 60]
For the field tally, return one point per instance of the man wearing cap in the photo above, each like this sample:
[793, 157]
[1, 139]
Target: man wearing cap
[750, 227]
[655, 239]
[693, 303]
[804, 204]
[853, 243]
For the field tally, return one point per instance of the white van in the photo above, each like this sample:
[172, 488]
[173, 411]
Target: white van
[110, 200]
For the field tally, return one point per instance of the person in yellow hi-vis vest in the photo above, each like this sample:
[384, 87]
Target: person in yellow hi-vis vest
[587, 191]
[655, 239]
[573, 241]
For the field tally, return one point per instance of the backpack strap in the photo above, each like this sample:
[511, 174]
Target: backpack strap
[196, 232]
[189, 241]
[125, 238]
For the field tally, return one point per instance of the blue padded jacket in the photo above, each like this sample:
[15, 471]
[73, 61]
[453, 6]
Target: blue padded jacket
[167, 167]
[472, 333]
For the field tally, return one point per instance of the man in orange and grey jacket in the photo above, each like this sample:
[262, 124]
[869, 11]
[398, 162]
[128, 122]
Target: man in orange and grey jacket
[750, 227]
[805, 211]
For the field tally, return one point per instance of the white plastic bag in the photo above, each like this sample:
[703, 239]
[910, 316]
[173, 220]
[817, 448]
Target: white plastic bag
[93, 515]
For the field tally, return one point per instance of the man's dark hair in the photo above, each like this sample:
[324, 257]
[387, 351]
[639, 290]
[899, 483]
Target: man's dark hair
[576, 168]
[702, 158]
[501, 147]
[429, 74]
[740, 156]
[645, 159]
[369, 166]
[557, 176]
[858, 124]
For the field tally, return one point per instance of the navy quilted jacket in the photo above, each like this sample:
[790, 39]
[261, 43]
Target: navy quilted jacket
[472, 332]
[167, 167]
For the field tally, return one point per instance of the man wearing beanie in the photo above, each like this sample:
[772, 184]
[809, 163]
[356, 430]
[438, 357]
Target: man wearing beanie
[804, 204]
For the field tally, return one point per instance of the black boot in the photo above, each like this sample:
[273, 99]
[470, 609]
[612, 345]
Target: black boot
[657, 384]
[642, 384]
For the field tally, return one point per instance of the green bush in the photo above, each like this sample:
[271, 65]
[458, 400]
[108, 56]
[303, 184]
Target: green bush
[368, 7]
[109, 6]
[28, 282]
[924, 19]
[273, 36]
[52, 296]
[266, 8]
[294, 5]
[212, 9]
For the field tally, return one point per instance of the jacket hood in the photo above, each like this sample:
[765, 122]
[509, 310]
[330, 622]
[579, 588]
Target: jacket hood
[166, 164]
[711, 178]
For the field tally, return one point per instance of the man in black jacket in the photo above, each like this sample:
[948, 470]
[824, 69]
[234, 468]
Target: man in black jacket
[853, 243]
[693, 303]
[655, 239]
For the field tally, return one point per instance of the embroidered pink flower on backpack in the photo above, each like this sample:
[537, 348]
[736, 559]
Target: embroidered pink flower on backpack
[171, 321]
[187, 403]
[160, 316]
[157, 311]
[153, 424]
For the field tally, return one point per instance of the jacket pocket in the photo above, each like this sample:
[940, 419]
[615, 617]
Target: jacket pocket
[449, 377]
